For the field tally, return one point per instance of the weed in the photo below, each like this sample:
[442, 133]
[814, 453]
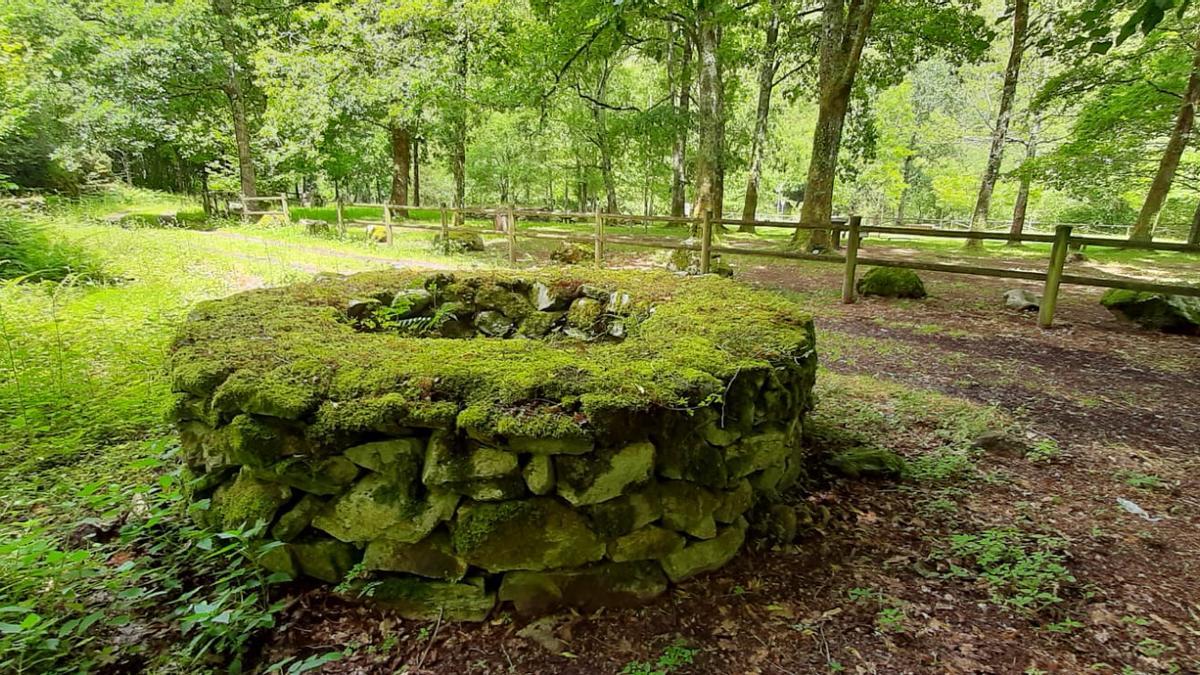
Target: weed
[1142, 481]
[678, 654]
[1045, 450]
[1025, 571]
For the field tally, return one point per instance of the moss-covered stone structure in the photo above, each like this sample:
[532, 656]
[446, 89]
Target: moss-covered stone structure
[544, 438]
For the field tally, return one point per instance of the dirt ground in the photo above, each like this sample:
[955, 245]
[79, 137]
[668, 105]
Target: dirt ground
[872, 590]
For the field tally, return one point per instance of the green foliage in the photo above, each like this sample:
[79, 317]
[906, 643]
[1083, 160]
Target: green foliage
[672, 658]
[1025, 571]
[1045, 450]
[30, 252]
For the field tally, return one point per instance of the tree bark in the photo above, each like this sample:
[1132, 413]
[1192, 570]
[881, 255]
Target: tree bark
[1018, 219]
[682, 110]
[844, 30]
[234, 93]
[710, 152]
[401, 162]
[458, 153]
[1143, 229]
[1194, 234]
[906, 174]
[416, 172]
[766, 84]
[602, 141]
[1012, 73]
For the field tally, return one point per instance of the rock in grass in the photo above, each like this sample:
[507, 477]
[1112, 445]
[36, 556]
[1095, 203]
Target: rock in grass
[867, 462]
[706, 556]
[605, 585]
[1168, 313]
[1019, 298]
[532, 534]
[891, 282]
[424, 600]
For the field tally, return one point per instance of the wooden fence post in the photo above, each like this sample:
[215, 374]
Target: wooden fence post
[706, 242]
[511, 221]
[445, 230]
[341, 218]
[598, 238]
[848, 290]
[245, 208]
[387, 221]
[287, 213]
[1058, 257]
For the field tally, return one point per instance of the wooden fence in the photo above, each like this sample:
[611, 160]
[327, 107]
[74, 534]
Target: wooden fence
[283, 210]
[1062, 241]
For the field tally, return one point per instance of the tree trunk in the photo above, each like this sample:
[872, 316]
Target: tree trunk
[843, 36]
[682, 107]
[602, 141]
[710, 152]
[458, 153]
[236, 96]
[766, 84]
[1018, 219]
[1012, 73]
[1194, 235]
[416, 172]
[401, 163]
[1143, 229]
[907, 174]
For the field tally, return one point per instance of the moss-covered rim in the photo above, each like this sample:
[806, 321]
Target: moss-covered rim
[295, 353]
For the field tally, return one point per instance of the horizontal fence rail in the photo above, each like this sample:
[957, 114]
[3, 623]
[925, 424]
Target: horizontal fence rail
[702, 229]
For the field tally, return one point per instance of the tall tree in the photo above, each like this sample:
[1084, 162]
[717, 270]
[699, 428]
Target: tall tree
[1156, 196]
[681, 96]
[1022, 204]
[1012, 73]
[238, 77]
[767, 70]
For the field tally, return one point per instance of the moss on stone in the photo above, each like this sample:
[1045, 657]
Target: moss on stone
[297, 518]
[627, 513]
[533, 534]
[327, 476]
[648, 543]
[891, 282]
[705, 556]
[603, 475]
[539, 474]
[377, 507]
[247, 501]
[604, 585]
[432, 557]
[424, 600]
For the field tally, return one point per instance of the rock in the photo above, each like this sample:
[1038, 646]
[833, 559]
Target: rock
[690, 458]
[867, 462]
[327, 476]
[533, 534]
[585, 314]
[1001, 443]
[245, 502]
[1169, 313]
[603, 475]
[377, 233]
[275, 557]
[733, 503]
[323, 558]
[538, 324]
[294, 521]
[461, 241]
[411, 302]
[570, 254]
[567, 445]
[553, 298]
[362, 309]
[248, 441]
[626, 584]
[493, 324]
[755, 453]
[446, 463]
[594, 292]
[1019, 298]
[539, 474]
[399, 459]
[626, 513]
[376, 507]
[777, 523]
[705, 556]
[492, 490]
[648, 543]
[312, 226]
[422, 600]
[509, 303]
[688, 508]
[891, 282]
[432, 557]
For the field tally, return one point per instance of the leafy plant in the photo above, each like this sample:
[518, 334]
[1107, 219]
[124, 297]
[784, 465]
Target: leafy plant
[1045, 450]
[671, 659]
[1025, 571]
[28, 252]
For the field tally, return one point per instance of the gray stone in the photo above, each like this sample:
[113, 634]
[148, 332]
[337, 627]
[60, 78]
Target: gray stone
[552, 298]
[493, 324]
[360, 309]
[705, 556]
[1019, 298]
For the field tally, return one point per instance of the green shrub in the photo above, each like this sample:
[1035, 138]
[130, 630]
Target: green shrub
[29, 252]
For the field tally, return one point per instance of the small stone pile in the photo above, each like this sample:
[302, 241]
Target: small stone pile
[517, 471]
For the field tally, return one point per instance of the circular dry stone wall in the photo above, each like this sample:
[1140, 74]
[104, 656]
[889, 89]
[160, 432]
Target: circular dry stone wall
[458, 441]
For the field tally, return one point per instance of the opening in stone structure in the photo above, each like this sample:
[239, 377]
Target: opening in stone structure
[557, 311]
[459, 474]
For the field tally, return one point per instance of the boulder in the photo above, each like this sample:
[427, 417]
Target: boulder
[493, 324]
[377, 507]
[891, 282]
[423, 600]
[1169, 313]
[533, 534]
[432, 557]
[867, 462]
[606, 585]
[603, 475]
[1021, 299]
[705, 556]
[569, 253]
[377, 233]
[461, 241]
